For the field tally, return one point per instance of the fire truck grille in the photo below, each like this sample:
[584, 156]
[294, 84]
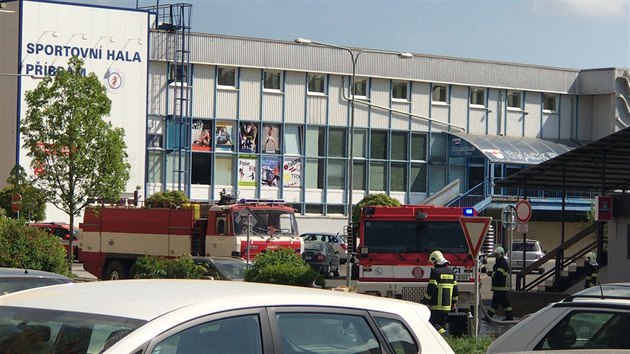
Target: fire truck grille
[412, 293]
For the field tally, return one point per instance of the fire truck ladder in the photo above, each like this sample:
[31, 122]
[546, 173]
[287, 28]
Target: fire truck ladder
[172, 22]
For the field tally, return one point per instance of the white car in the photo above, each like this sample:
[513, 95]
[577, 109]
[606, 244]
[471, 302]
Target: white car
[577, 324]
[200, 316]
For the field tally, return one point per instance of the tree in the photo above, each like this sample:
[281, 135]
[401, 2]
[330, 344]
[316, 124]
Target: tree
[76, 155]
[372, 199]
[282, 266]
[32, 206]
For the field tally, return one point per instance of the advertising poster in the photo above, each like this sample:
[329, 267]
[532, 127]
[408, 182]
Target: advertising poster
[292, 172]
[271, 138]
[248, 134]
[201, 135]
[247, 170]
[223, 135]
[270, 171]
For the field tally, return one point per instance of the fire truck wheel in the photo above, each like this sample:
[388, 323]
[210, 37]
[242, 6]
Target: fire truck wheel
[115, 271]
[336, 273]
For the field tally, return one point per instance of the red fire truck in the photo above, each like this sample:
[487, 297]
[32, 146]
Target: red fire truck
[113, 237]
[395, 244]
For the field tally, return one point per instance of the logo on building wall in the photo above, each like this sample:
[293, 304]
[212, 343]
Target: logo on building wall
[114, 80]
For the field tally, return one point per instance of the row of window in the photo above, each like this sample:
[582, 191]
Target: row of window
[273, 80]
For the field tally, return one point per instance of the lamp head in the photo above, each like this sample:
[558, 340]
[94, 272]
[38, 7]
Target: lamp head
[303, 41]
[405, 55]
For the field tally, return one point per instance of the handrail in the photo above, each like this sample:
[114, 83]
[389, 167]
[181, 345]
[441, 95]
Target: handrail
[468, 193]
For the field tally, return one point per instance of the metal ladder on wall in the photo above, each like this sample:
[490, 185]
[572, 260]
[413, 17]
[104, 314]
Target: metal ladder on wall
[173, 21]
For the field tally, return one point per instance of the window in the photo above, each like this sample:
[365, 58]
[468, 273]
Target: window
[398, 180]
[201, 168]
[400, 90]
[358, 175]
[586, 329]
[418, 180]
[418, 147]
[272, 80]
[223, 170]
[337, 142]
[359, 142]
[178, 73]
[360, 87]
[399, 146]
[439, 94]
[313, 177]
[336, 173]
[316, 83]
[398, 336]
[315, 141]
[515, 99]
[378, 144]
[248, 137]
[226, 77]
[293, 139]
[550, 103]
[271, 143]
[378, 176]
[477, 96]
[154, 172]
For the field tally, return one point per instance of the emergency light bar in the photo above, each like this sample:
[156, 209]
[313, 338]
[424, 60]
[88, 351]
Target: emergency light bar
[261, 201]
[469, 212]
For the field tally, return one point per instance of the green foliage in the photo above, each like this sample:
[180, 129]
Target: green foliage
[168, 199]
[154, 267]
[32, 206]
[469, 345]
[372, 199]
[282, 266]
[23, 246]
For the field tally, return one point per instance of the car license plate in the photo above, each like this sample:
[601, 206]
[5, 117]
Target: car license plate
[519, 262]
[462, 277]
[307, 257]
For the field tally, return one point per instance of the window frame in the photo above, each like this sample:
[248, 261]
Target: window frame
[221, 75]
[474, 92]
[555, 98]
[510, 100]
[266, 79]
[442, 89]
[366, 87]
[397, 83]
[311, 77]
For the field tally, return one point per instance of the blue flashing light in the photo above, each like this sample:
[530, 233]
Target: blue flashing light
[469, 212]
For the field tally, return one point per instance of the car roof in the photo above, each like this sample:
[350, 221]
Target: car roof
[146, 299]
[21, 272]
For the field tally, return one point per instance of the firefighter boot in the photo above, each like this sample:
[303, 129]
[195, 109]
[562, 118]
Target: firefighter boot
[508, 314]
[489, 315]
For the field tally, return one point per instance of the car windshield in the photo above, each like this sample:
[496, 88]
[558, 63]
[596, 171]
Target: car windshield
[31, 330]
[529, 247]
[13, 284]
[232, 269]
[314, 246]
[264, 222]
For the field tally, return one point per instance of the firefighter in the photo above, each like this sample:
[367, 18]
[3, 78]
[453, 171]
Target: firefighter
[590, 262]
[500, 274]
[442, 293]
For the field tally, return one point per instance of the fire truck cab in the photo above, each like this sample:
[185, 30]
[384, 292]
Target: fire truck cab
[113, 237]
[395, 244]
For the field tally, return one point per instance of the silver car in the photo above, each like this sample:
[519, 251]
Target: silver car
[533, 252]
[338, 242]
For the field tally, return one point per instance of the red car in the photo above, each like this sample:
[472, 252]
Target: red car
[62, 231]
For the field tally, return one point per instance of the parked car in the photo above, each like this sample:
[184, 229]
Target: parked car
[223, 268]
[338, 242]
[576, 324]
[16, 279]
[533, 252]
[196, 316]
[62, 231]
[606, 290]
[322, 257]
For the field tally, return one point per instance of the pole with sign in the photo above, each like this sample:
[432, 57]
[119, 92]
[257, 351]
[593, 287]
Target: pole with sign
[16, 203]
[523, 214]
[475, 229]
[508, 216]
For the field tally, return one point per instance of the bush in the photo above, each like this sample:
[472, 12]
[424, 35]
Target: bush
[282, 266]
[155, 267]
[168, 199]
[468, 344]
[372, 199]
[23, 246]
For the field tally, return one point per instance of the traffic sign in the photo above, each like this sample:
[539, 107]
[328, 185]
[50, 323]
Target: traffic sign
[475, 229]
[523, 210]
[16, 202]
[507, 217]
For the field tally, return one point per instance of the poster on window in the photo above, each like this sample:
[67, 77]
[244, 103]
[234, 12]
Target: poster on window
[201, 135]
[271, 139]
[223, 135]
[270, 171]
[248, 134]
[292, 172]
[247, 170]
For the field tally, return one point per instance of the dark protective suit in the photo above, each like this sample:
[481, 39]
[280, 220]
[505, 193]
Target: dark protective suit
[441, 295]
[500, 275]
[592, 269]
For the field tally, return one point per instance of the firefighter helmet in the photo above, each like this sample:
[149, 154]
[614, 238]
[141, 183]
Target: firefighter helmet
[500, 251]
[437, 258]
[591, 257]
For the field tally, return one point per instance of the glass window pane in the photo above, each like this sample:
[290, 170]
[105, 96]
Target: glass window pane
[337, 174]
[359, 143]
[438, 147]
[175, 174]
[378, 144]
[478, 96]
[223, 174]
[439, 93]
[293, 139]
[316, 83]
[337, 142]
[399, 177]
[358, 175]
[315, 141]
[248, 133]
[272, 80]
[458, 172]
[271, 142]
[224, 136]
[201, 168]
[419, 147]
[514, 99]
[399, 146]
[154, 172]
[226, 77]
[360, 87]
[550, 102]
[400, 90]
[378, 176]
[438, 178]
[398, 336]
[418, 178]
[313, 175]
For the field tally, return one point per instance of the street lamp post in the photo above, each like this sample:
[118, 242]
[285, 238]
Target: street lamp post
[354, 55]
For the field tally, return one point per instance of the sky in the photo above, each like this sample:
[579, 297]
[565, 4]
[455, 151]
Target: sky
[578, 34]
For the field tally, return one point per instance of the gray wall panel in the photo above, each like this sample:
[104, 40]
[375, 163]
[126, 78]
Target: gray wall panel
[203, 91]
[158, 86]
[316, 109]
[400, 121]
[531, 115]
[337, 105]
[272, 106]
[227, 104]
[295, 84]
[380, 96]
[250, 90]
